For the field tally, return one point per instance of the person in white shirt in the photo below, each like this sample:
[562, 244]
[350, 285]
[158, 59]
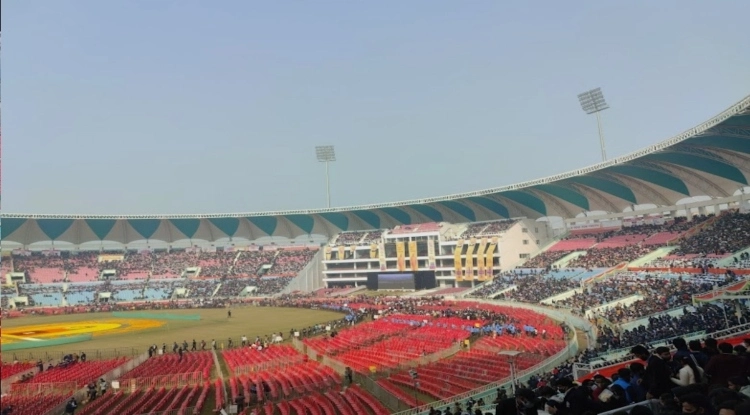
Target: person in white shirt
[686, 376]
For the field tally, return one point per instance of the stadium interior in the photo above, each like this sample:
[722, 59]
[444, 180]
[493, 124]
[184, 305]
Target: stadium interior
[453, 305]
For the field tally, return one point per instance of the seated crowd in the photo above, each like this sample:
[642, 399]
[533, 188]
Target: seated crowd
[708, 318]
[480, 229]
[659, 293]
[729, 233]
[535, 288]
[46, 267]
[350, 238]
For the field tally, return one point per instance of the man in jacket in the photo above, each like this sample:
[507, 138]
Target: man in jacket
[657, 377]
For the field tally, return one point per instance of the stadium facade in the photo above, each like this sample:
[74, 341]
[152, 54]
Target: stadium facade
[711, 159]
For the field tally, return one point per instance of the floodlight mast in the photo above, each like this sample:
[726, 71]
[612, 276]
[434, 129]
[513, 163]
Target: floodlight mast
[326, 154]
[592, 102]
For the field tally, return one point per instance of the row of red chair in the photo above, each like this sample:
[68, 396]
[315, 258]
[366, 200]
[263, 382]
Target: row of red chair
[7, 371]
[32, 405]
[249, 356]
[82, 372]
[219, 395]
[394, 351]
[149, 401]
[286, 382]
[399, 393]
[170, 364]
[535, 345]
[354, 401]
[356, 336]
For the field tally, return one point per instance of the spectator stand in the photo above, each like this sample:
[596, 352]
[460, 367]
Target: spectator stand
[734, 335]
[488, 392]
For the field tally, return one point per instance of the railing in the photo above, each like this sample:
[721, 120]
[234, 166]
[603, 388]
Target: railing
[51, 388]
[722, 334]
[652, 404]
[113, 374]
[568, 318]
[220, 373]
[91, 354]
[569, 351]
[522, 376]
[5, 383]
[165, 381]
[309, 278]
[664, 342]
[259, 367]
[178, 411]
[382, 395]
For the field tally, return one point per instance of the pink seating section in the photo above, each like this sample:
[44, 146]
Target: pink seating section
[134, 275]
[621, 241]
[170, 364]
[7, 371]
[596, 231]
[150, 401]
[424, 227]
[84, 275]
[82, 372]
[662, 238]
[573, 245]
[46, 275]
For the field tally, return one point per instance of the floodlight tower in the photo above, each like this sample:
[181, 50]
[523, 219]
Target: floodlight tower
[326, 154]
[592, 102]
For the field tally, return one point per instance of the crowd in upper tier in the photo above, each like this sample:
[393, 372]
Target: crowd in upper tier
[64, 266]
[607, 248]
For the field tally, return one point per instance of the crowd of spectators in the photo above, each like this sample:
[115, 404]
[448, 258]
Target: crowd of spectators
[609, 257]
[594, 295]
[373, 237]
[545, 259]
[250, 263]
[163, 264]
[729, 233]
[685, 261]
[288, 263]
[271, 285]
[708, 318]
[350, 238]
[660, 294]
[480, 229]
[491, 287]
[534, 288]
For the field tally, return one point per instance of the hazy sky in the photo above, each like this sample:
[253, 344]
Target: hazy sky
[167, 106]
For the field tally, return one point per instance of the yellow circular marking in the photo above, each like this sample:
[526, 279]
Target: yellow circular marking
[94, 327]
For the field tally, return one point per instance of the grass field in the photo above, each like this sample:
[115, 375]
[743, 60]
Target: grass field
[214, 324]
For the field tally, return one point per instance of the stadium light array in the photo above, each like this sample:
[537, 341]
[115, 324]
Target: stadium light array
[592, 102]
[327, 155]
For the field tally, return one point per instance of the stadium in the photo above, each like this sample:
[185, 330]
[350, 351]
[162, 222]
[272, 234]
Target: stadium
[405, 307]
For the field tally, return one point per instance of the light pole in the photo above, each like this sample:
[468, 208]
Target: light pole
[592, 102]
[415, 378]
[511, 355]
[326, 154]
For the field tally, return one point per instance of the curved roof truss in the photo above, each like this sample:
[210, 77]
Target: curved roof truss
[711, 159]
